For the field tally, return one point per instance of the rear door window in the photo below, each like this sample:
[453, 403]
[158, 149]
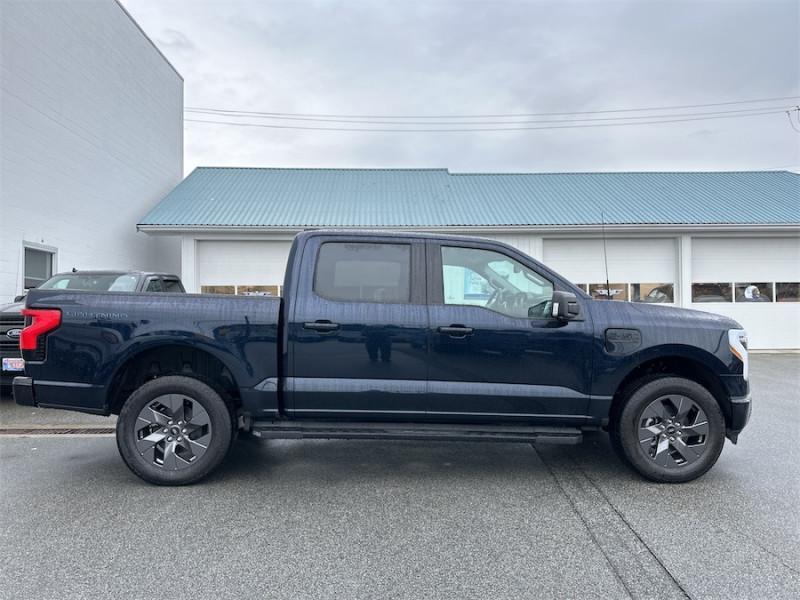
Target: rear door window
[364, 272]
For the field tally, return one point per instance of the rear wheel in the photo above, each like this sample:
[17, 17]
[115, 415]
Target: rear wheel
[670, 429]
[174, 430]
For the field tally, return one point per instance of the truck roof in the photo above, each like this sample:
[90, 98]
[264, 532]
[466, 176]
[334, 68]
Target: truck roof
[114, 272]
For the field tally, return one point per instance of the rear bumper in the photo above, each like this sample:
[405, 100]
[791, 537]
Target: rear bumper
[81, 397]
[23, 391]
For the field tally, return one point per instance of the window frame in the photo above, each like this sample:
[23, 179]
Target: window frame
[416, 256]
[436, 274]
[51, 250]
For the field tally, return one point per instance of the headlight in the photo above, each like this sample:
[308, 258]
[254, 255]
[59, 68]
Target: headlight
[737, 342]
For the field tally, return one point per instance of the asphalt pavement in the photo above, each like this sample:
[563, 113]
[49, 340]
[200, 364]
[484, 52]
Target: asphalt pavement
[341, 519]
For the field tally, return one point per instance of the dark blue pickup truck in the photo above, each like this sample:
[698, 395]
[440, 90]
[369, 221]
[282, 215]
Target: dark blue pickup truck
[390, 336]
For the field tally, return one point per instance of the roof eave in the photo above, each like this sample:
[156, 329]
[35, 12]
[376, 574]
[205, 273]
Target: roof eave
[154, 229]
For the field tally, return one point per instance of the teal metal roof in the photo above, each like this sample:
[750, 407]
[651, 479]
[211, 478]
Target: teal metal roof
[246, 197]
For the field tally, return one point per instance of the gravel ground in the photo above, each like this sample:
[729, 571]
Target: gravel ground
[322, 519]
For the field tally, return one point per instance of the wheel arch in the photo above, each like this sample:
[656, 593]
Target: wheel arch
[696, 366]
[151, 361]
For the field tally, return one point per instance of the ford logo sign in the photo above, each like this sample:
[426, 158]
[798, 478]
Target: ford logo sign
[14, 333]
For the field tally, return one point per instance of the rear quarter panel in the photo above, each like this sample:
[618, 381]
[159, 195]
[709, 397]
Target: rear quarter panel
[100, 332]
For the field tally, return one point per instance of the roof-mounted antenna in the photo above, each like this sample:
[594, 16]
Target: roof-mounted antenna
[605, 252]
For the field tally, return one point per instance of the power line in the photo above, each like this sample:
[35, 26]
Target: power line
[220, 113]
[478, 129]
[497, 116]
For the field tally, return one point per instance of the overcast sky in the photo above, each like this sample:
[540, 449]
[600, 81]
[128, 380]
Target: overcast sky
[467, 58]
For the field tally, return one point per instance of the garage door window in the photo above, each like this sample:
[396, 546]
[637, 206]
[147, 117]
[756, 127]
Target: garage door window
[787, 292]
[712, 292]
[258, 290]
[615, 291]
[218, 289]
[38, 267]
[358, 272]
[653, 293]
[754, 292]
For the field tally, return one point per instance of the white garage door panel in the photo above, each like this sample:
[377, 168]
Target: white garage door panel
[746, 259]
[523, 243]
[774, 326]
[241, 262]
[629, 260]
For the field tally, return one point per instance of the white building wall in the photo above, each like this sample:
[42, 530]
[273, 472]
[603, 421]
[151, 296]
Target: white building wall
[91, 137]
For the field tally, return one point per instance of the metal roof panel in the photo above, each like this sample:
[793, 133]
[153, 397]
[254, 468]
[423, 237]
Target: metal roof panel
[271, 197]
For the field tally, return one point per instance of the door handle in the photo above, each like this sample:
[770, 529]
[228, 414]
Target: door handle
[322, 326]
[458, 331]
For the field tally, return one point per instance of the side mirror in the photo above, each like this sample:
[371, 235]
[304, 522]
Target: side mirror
[566, 306]
[19, 298]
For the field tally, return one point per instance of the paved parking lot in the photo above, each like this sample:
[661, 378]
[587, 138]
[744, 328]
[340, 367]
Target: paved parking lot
[329, 519]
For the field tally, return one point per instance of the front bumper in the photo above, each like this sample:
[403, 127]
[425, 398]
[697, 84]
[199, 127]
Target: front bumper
[740, 415]
[23, 391]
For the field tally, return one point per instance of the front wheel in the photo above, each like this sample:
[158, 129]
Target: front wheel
[174, 430]
[670, 430]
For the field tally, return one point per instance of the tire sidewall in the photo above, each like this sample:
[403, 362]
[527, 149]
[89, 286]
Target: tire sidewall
[628, 430]
[221, 429]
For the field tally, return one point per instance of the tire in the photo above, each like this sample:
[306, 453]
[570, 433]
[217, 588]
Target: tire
[650, 437]
[174, 430]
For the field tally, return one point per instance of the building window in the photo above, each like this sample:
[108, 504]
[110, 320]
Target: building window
[361, 272]
[753, 292]
[655, 293]
[712, 292]
[616, 291]
[787, 292]
[38, 267]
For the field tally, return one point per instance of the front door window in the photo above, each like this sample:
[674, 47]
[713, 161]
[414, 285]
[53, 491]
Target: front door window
[476, 277]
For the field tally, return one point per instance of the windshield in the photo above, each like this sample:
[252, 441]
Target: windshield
[104, 282]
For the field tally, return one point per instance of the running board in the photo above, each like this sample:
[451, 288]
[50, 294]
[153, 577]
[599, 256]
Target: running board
[444, 432]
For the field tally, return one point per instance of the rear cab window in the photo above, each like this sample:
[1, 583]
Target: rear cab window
[173, 286]
[363, 272]
[154, 285]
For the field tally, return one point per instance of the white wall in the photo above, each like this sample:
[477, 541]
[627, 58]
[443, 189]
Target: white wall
[91, 137]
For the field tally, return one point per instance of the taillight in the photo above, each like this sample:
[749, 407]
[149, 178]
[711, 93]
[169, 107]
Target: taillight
[42, 321]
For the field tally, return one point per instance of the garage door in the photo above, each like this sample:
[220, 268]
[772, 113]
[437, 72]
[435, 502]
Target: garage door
[638, 269]
[241, 267]
[753, 280]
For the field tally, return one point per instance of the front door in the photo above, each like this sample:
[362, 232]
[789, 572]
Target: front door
[358, 335]
[497, 354]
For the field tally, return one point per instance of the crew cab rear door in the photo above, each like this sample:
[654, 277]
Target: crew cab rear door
[496, 352]
[357, 332]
